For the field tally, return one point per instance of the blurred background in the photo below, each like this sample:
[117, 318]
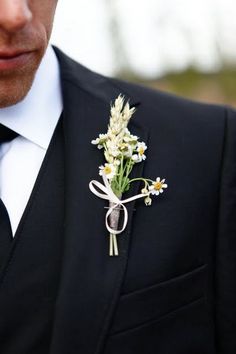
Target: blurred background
[187, 47]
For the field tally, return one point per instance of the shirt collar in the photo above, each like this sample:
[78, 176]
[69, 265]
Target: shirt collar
[36, 116]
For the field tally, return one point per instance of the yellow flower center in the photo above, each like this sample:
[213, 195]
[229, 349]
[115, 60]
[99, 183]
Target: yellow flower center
[157, 186]
[141, 151]
[107, 170]
[123, 146]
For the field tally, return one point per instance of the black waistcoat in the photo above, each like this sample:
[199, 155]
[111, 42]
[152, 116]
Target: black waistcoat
[30, 278]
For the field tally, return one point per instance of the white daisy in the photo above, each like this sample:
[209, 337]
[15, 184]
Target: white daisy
[108, 169]
[141, 148]
[158, 186]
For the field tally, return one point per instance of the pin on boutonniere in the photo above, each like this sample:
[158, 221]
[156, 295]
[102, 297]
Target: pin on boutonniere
[122, 151]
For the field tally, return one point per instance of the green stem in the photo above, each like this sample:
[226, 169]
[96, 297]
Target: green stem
[128, 169]
[145, 180]
[121, 173]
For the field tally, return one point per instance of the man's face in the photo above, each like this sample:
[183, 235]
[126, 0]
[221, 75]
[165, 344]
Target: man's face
[25, 29]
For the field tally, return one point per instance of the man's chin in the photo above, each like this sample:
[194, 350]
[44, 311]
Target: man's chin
[14, 90]
[16, 82]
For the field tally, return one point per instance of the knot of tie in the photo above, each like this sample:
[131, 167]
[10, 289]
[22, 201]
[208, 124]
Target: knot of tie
[6, 134]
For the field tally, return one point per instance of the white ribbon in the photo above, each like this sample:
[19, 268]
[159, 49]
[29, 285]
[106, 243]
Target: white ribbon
[108, 194]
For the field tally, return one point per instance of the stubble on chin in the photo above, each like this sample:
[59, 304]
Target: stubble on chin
[15, 96]
[15, 86]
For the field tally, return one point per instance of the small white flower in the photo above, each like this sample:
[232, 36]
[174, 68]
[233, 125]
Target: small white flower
[100, 141]
[136, 158]
[109, 170]
[112, 148]
[132, 139]
[95, 141]
[141, 148]
[158, 186]
[148, 201]
[116, 162]
[114, 152]
[125, 149]
[144, 191]
[103, 137]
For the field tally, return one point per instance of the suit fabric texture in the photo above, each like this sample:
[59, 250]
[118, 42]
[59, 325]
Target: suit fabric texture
[172, 289]
[30, 270]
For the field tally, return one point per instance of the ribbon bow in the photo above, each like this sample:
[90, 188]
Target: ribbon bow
[114, 202]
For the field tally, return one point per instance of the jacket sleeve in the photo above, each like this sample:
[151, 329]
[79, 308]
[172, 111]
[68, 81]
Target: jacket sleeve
[225, 276]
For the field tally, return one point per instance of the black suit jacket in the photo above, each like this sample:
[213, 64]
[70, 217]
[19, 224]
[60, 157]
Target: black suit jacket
[172, 289]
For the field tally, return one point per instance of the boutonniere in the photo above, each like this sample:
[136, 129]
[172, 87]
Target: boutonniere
[122, 151]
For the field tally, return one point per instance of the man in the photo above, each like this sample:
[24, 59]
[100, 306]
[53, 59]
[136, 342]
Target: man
[172, 288]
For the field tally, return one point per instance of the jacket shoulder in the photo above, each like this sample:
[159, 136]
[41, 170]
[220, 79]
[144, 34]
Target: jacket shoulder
[155, 105]
[177, 108]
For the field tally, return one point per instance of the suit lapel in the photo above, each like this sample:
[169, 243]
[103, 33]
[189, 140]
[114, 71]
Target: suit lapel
[90, 280]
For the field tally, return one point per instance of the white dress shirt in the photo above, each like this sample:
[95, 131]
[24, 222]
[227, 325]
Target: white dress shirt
[35, 119]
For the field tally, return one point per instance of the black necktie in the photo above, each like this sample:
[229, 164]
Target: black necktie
[6, 135]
